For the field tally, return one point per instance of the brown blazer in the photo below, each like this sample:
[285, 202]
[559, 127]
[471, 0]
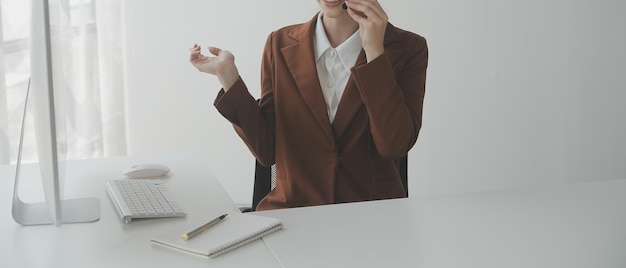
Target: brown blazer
[378, 119]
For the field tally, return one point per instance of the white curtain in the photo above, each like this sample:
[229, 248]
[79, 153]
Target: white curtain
[92, 63]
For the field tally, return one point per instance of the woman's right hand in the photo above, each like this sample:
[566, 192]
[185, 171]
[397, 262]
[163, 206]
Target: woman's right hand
[222, 64]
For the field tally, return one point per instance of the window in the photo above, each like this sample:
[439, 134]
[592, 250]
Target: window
[85, 124]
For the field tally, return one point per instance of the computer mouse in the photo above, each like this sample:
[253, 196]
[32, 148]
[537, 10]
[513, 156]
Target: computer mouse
[146, 171]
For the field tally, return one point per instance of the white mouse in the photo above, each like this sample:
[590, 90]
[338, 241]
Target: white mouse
[146, 171]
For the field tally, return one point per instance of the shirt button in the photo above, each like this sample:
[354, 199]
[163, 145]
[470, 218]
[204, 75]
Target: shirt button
[330, 84]
[333, 53]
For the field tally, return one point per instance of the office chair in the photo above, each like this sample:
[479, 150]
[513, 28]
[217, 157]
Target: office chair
[265, 181]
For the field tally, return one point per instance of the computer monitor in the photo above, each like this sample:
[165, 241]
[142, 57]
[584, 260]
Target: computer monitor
[43, 99]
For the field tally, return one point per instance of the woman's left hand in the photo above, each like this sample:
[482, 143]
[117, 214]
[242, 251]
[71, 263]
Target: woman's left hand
[372, 21]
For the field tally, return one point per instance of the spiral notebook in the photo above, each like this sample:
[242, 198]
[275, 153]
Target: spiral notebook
[235, 231]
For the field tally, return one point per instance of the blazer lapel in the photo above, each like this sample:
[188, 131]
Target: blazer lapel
[300, 59]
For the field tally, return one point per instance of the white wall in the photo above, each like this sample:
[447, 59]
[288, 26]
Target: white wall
[519, 93]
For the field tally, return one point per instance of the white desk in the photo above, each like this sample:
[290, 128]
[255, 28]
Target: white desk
[567, 226]
[574, 225]
[109, 242]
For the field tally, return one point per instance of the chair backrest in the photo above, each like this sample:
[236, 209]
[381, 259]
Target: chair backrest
[264, 182]
[265, 179]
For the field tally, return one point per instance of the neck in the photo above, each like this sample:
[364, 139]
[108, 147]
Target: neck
[339, 29]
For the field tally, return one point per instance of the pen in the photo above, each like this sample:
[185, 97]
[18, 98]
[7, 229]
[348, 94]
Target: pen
[202, 228]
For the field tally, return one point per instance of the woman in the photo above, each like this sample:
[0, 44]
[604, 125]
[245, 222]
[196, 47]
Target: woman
[341, 99]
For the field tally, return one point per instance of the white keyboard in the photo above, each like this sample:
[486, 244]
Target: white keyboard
[140, 199]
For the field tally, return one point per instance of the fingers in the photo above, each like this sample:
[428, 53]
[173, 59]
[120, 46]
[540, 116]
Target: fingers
[372, 10]
[195, 48]
[196, 52]
[215, 51]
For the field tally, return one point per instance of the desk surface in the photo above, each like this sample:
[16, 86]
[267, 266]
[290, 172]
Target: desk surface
[109, 242]
[570, 225]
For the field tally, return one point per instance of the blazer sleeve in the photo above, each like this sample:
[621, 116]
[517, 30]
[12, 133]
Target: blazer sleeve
[392, 87]
[252, 120]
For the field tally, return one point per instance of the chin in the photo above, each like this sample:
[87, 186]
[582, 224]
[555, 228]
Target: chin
[325, 4]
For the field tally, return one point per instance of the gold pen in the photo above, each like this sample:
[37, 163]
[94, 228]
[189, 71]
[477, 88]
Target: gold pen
[202, 228]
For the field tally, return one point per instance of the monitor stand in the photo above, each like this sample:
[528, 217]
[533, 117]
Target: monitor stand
[72, 211]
